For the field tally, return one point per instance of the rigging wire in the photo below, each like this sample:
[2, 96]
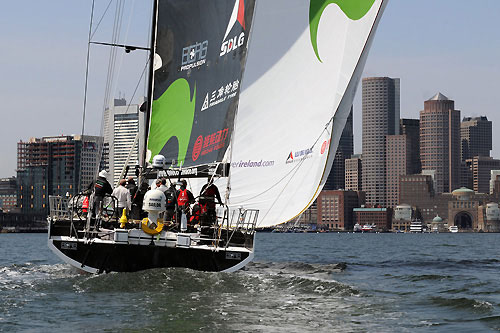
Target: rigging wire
[85, 90]
[125, 39]
[112, 65]
[112, 55]
[100, 20]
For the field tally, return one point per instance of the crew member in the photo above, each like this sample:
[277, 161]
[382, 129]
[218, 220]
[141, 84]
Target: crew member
[137, 201]
[161, 184]
[209, 192]
[184, 198]
[101, 188]
[170, 195]
[123, 198]
[131, 186]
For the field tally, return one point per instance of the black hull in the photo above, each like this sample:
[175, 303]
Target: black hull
[100, 257]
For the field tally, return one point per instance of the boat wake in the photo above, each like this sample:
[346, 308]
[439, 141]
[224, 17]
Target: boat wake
[31, 275]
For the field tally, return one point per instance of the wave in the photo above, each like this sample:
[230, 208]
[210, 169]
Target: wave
[426, 277]
[465, 264]
[463, 303]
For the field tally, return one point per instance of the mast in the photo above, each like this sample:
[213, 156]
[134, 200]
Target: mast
[151, 79]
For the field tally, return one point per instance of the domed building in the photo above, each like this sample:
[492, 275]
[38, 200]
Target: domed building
[463, 209]
[438, 225]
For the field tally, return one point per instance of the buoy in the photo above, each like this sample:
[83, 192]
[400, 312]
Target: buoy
[123, 219]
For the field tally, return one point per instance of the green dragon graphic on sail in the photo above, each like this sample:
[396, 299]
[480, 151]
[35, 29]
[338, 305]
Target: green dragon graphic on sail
[353, 9]
[173, 116]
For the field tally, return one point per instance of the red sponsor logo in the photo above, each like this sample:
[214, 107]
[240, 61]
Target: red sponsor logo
[197, 148]
[324, 146]
[238, 15]
[209, 143]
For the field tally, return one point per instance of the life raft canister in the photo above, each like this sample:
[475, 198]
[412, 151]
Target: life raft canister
[183, 198]
[85, 204]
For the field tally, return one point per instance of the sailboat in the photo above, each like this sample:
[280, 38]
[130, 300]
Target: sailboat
[251, 94]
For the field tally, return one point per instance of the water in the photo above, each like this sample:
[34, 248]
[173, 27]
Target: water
[392, 283]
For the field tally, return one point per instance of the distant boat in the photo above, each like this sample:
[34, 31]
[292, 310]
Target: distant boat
[416, 226]
[369, 228]
[453, 228]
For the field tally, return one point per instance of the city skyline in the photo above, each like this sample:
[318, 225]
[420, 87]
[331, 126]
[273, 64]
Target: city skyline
[45, 64]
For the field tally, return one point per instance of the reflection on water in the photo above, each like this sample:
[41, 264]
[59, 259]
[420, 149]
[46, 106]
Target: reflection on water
[389, 282]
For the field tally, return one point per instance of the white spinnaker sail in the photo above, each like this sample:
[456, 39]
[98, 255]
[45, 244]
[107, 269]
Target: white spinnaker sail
[281, 150]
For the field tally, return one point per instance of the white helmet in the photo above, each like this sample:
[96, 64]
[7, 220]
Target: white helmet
[103, 173]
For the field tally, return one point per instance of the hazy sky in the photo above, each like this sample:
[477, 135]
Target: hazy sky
[447, 46]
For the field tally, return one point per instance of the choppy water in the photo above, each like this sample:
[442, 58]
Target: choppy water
[392, 283]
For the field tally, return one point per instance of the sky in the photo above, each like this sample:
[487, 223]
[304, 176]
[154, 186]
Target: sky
[447, 46]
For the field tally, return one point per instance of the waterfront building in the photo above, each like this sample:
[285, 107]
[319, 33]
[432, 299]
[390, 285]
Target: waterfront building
[476, 137]
[398, 163]
[440, 141]
[495, 182]
[463, 209]
[335, 209]
[336, 178]
[381, 109]
[418, 191]
[411, 128]
[438, 225]
[403, 215]
[353, 169]
[8, 194]
[459, 208]
[489, 217]
[58, 165]
[380, 217]
[123, 126]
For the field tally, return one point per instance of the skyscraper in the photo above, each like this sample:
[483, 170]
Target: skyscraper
[336, 178]
[398, 162]
[123, 129]
[476, 137]
[380, 118]
[440, 141]
[353, 172]
[480, 168]
[411, 128]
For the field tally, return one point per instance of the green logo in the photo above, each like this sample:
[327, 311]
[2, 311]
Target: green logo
[172, 116]
[353, 9]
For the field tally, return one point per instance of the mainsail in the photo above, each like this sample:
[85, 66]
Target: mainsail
[305, 61]
[200, 55]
